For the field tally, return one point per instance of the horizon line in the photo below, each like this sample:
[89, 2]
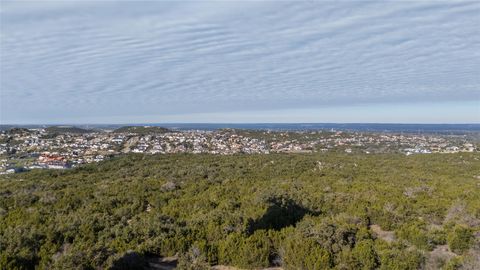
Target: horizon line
[239, 123]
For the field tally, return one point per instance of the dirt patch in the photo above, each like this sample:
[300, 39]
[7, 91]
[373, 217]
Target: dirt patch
[387, 236]
[224, 267]
[131, 142]
[438, 257]
[162, 263]
[459, 214]
[170, 263]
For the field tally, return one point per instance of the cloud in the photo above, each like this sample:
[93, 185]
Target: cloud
[74, 59]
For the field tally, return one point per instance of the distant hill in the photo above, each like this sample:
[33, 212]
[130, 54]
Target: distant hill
[67, 129]
[142, 130]
[18, 131]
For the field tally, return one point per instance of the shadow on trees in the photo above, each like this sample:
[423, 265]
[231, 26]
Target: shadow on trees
[135, 261]
[130, 260]
[281, 212]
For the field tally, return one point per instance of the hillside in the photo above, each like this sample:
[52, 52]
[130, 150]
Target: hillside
[66, 129]
[141, 130]
[296, 211]
[19, 131]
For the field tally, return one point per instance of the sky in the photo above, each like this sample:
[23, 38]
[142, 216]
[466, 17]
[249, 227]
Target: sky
[228, 61]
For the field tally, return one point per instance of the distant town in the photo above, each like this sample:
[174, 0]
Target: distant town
[63, 147]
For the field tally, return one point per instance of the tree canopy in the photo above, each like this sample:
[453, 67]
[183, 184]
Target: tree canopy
[248, 211]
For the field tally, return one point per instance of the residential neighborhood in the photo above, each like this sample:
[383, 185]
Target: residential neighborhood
[26, 149]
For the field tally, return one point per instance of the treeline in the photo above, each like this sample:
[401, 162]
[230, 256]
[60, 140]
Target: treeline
[315, 211]
[142, 130]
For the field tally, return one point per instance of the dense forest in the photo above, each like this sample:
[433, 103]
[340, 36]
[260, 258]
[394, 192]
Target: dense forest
[295, 211]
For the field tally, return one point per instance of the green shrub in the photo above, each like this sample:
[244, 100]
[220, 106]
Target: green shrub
[305, 254]
[364, 255]
[89, 217]
[460, 239]
[416, 233]
[246, 252]
[453, 264]
[400, 258]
